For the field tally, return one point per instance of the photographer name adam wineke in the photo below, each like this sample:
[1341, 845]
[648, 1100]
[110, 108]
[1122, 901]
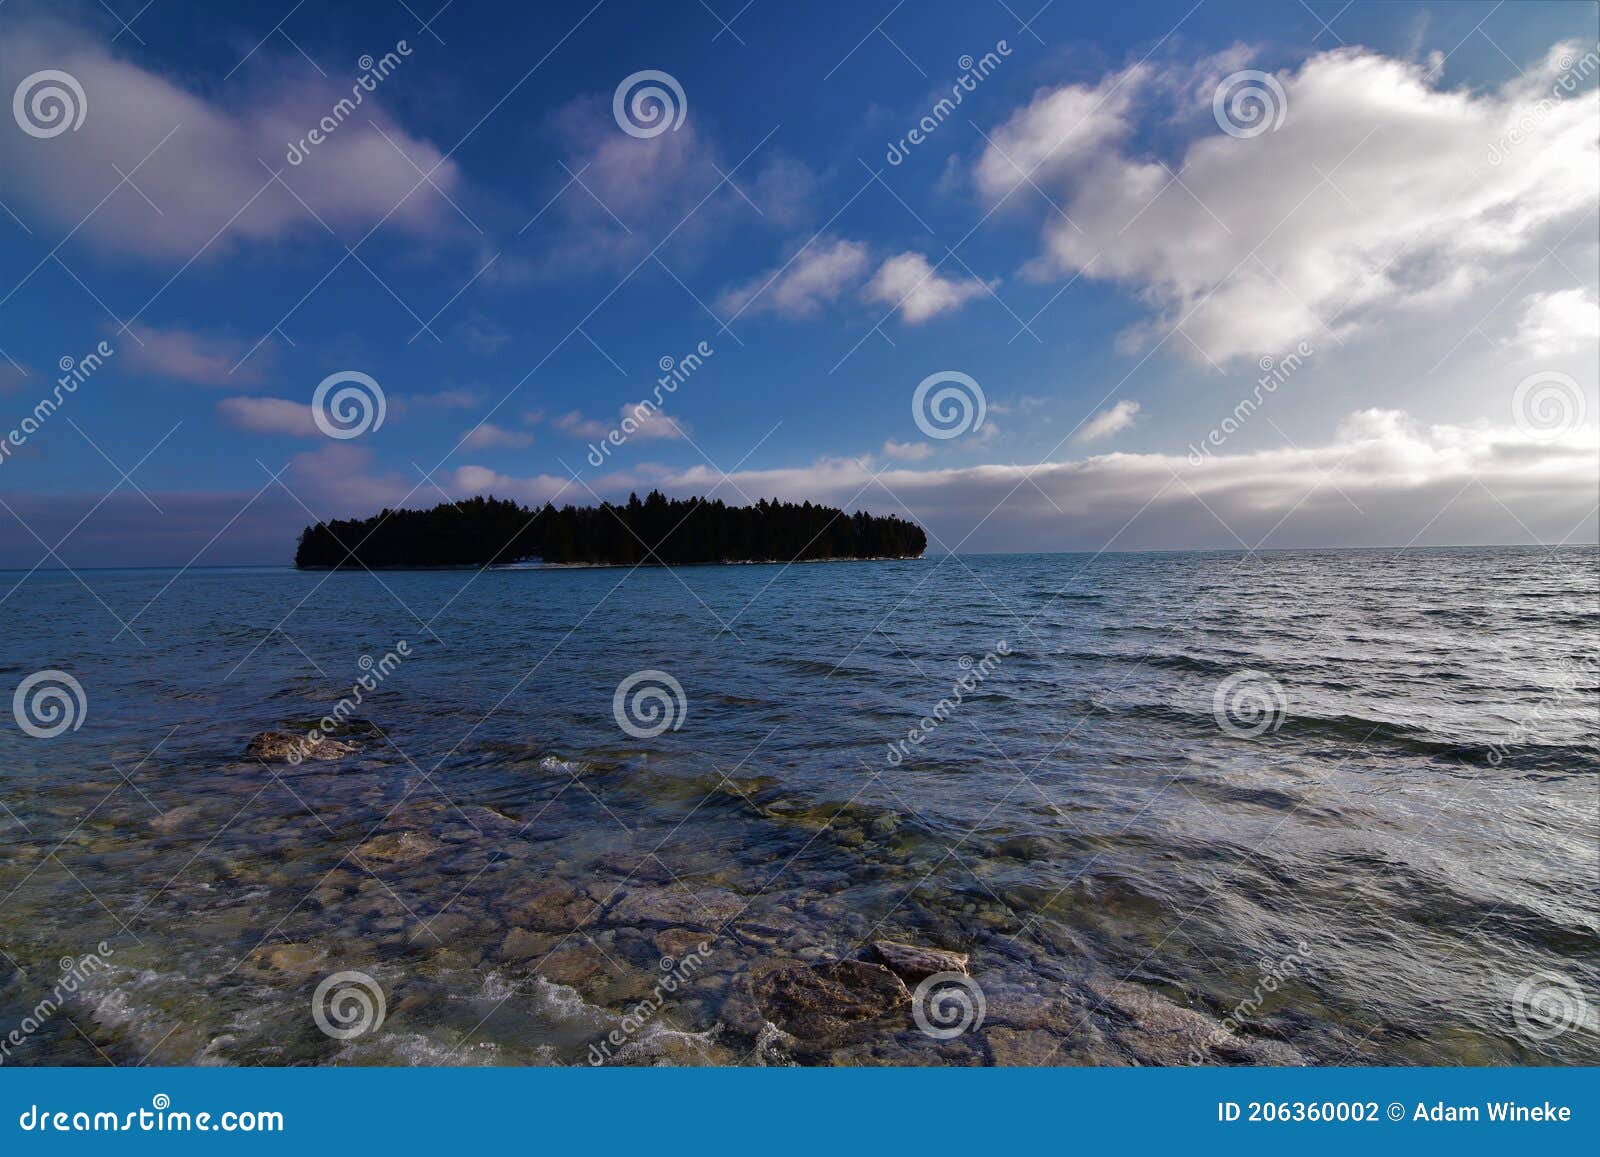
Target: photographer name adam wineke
[1508, 1112]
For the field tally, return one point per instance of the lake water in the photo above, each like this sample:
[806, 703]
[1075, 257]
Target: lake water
[1338, 807]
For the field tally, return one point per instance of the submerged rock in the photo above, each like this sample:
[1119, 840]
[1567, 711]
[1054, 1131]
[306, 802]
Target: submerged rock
[914, 963]
[398, 847]
[820, 1001]
[553, 907]
[1153, 1030]
[694, 907]
[289, 959]
[175, 818]
[282, 746]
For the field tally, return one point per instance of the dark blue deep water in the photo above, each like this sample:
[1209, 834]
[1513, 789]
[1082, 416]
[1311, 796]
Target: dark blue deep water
[1379, 845]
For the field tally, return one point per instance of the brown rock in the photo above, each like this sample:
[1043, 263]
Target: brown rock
[398, 847]
[280, 745]
[695, 907]
[1153, 1030]
[570, 964]
[914, 963]
[1028, 1047]
[293, 959]
[172, 819]
[553, 908]
[681, 942]
[820, 1001]
[520, 944]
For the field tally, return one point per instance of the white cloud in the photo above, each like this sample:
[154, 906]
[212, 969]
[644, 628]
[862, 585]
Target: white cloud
[1111, 420]
[1376, 193]
[486, 435]
[1559, 322]
[207, 170]
[269, 416]
[1435, 485]
[622, 195]
[1422, 486]
[191, 357]
[575, 424]
[645, 422]
[816, 276]
[636, 420]
[1058, 131]
[910, 283]
[906, 451]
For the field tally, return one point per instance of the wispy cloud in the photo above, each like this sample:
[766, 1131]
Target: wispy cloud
[1111, 420]
[269, 416]
[180, 355]
[486, 435]
[818, 275]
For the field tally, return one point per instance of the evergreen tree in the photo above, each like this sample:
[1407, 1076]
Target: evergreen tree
[484, 531]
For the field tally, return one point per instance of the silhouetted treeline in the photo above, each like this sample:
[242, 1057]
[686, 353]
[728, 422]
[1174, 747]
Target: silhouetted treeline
[481, 531]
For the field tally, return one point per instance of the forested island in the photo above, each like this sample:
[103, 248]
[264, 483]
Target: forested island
[656, 531]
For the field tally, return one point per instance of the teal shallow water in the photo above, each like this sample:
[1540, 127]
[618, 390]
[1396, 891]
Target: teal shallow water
[1401, 840]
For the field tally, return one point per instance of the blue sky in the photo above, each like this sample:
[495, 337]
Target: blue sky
[1081, 237]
